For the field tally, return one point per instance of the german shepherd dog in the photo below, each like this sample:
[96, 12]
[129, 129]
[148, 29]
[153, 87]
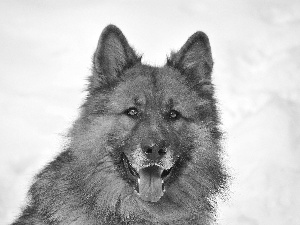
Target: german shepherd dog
[145, 148]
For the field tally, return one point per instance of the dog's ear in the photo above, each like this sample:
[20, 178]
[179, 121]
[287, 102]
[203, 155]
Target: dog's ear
[194, 59]
[113, 55]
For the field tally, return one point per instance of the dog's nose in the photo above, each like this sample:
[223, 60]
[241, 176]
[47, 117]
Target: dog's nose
[155, 151]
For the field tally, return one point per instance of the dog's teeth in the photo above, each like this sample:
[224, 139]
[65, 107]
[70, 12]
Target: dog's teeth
[139, 180]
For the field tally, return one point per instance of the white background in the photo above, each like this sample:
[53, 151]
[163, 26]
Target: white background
[45, 57]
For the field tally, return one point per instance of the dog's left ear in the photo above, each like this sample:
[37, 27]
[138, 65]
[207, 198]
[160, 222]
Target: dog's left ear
[112, 56]
[194, 59]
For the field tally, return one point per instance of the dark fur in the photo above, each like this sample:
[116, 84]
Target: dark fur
[88, 182]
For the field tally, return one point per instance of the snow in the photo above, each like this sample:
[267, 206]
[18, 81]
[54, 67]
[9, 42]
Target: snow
[46, 48]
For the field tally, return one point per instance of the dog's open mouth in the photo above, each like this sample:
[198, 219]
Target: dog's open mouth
[149, 180]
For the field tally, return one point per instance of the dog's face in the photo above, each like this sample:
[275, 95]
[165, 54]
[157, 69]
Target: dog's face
[148, 136]
[157, 110]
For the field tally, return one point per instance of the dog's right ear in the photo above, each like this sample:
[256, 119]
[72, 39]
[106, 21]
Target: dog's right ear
[194, 59]
[112, 56]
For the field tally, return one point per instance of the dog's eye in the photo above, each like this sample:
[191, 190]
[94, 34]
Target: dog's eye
[132, 112]
[174, 115]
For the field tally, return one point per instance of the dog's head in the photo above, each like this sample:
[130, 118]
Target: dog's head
[151, 133]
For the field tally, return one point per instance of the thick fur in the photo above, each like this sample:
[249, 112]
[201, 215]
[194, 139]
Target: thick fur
[89, 183]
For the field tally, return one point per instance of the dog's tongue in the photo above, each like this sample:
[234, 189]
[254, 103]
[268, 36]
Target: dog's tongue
[150, 183]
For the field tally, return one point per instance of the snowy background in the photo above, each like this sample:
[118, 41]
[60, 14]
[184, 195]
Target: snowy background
[45, 57]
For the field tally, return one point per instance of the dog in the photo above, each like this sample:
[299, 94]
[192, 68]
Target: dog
[146, 147]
